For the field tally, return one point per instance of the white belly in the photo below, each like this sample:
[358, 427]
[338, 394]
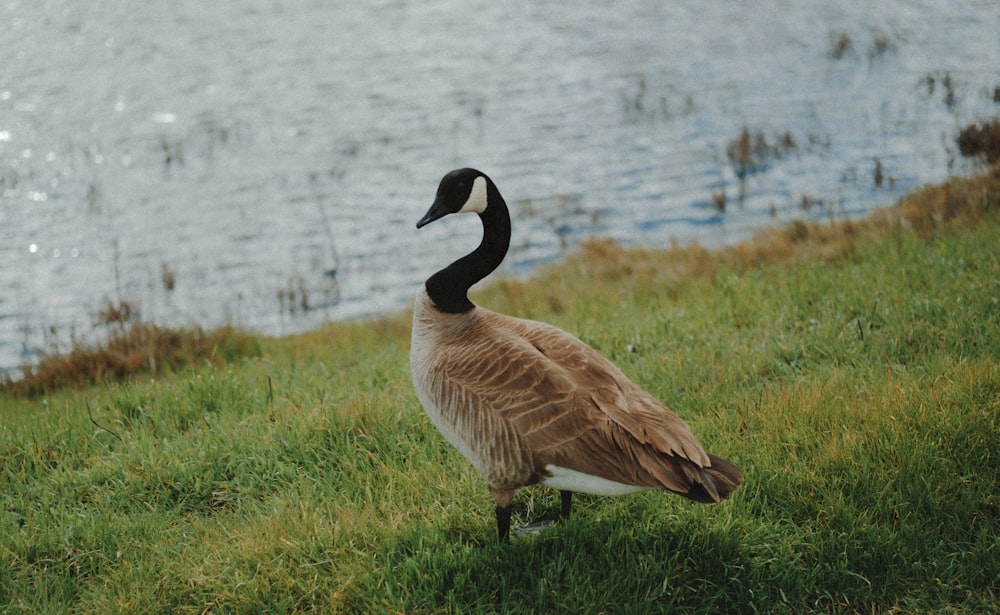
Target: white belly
[565, 479]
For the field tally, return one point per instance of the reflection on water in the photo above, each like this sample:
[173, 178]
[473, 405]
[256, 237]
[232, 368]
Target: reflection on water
[273, 160]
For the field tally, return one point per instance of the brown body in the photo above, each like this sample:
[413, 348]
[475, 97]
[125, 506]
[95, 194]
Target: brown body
[522, 400]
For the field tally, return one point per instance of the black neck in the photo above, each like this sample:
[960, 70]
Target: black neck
[449, 288]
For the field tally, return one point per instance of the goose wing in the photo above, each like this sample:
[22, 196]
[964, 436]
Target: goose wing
[573, 408]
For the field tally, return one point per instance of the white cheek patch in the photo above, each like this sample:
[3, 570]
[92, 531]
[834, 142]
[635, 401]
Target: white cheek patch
[476, 202]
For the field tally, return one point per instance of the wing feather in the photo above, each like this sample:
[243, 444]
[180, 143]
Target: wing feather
[575, 409]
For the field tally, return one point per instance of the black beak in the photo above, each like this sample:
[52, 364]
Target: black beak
[437, 210]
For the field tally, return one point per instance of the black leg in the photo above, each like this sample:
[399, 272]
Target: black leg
[503, 522]
[567, 503]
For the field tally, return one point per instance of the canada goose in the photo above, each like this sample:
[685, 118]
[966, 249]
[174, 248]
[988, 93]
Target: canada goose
[528, 403]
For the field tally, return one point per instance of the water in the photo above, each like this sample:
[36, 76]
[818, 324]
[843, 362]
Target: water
[263, 164]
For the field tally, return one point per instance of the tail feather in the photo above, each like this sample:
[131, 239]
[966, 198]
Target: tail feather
[726, 476]
[715, 483]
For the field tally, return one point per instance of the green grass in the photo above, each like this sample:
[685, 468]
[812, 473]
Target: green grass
[852, 370]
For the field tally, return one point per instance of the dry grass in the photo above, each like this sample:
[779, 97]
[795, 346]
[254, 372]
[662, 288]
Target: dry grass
[961, 202]
[840, 44]
[750, 153]
[981, 140]
[131, 350]
[958, 203]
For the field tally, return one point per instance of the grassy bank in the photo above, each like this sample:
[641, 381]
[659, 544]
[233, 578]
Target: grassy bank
[852, 370]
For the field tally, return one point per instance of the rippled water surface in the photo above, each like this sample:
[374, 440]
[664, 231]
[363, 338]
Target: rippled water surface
[263, 164]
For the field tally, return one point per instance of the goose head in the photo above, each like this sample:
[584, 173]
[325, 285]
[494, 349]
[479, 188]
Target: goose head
[460, 191]
[468, 191]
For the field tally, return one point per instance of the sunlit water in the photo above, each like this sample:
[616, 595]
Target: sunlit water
[263, 164]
